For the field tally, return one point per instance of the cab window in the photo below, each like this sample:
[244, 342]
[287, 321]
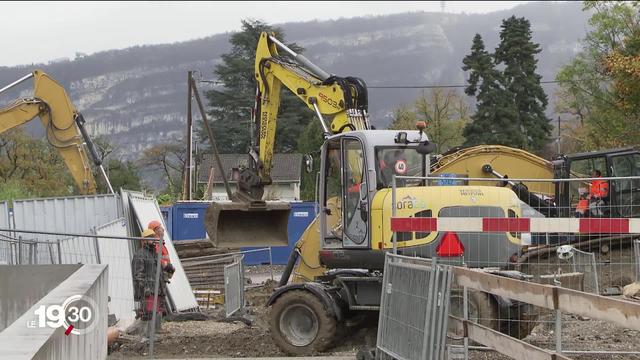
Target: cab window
[399, 161]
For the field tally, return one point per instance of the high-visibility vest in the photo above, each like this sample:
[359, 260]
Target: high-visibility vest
[164, 259]
[599, 188]
[583, 205]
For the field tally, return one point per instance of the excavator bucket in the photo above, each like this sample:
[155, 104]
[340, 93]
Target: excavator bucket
[243, 224]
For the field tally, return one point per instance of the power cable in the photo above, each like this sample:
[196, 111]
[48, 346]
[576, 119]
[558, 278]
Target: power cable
[219, 82]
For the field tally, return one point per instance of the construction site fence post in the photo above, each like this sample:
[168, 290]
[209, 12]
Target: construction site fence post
[271, 263]
[59, 252]
[465, 312]
[394, 212]
[19, 250]
[154, 309]
[636, 251]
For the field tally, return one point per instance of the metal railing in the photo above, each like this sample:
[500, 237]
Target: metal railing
[413, 309]
[234, 287]
[534, 237]
[136, 316]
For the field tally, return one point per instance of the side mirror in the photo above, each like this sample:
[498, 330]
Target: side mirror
[426, 147]
[308, 163]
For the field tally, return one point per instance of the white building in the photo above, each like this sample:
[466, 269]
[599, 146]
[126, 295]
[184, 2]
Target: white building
[286, 175]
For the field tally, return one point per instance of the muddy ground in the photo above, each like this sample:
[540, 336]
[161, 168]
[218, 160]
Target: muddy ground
[219, 337]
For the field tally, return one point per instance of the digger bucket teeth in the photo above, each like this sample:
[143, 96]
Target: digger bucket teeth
[244, 224]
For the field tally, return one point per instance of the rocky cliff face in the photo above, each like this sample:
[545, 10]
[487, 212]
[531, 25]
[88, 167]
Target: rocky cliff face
[137, 96]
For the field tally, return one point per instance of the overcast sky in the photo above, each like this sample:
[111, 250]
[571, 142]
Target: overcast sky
[36, 32]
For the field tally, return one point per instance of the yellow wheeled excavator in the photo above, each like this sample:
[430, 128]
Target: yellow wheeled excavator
[336, 266]
[63, 123]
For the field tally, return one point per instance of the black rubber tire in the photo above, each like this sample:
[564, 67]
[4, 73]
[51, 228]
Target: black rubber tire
[327, 324]
[519, 321]
[485, 305]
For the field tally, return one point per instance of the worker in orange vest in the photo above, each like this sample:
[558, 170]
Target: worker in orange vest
[599, 188]
[592, 203]
[165, 260]
[583, 203]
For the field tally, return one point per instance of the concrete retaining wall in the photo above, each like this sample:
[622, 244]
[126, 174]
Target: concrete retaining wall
[18, 341]
[21, 286]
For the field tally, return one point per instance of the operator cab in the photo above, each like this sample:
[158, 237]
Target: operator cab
[357, 164]
[623, 195]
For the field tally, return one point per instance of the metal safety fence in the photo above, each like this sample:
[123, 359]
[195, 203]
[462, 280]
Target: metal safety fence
[554, 232]
[636, 252]
[413, 309]
[234, 286]
[134, 288]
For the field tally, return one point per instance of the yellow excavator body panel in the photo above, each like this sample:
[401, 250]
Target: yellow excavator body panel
[514, 163]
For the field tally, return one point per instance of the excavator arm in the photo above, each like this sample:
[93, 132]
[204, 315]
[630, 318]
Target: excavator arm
[339, 103]
[63, 124]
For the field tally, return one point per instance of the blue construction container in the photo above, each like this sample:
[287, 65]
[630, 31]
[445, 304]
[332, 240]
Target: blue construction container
[302, 214]
[188, 220]
[167, 215]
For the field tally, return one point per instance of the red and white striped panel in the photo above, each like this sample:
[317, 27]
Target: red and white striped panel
[534, 225]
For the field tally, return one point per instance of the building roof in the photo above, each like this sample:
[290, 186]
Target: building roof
[286, 167]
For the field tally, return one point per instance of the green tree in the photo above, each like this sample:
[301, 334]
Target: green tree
[494, 121]
[231, 106]
[310, 143]
[30, 167]
[123, 174]
[600, 88]
[167, 159]
[517, 52]
[444, 112]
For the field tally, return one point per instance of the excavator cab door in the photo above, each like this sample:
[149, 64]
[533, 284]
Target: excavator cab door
[344, 194]
[625, 193]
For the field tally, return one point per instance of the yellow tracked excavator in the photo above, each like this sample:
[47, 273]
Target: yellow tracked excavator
[552, 199]
[63, 123]
[334, 272]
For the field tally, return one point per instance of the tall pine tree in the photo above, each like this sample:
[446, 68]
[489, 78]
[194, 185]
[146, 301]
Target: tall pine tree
[230, 107]
[517, 53]
[510, 103]
[494, 119]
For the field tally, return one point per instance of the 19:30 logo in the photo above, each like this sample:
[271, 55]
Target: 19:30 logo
[77, 315]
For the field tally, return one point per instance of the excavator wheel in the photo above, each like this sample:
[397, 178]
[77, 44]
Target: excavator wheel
[516, 320]
[300, 324]
[483, 309]
[519, 321]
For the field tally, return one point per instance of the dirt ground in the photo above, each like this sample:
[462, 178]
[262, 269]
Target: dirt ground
[219, 337]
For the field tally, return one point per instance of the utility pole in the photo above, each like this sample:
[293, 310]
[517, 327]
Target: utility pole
[186, 188]
[559, 137]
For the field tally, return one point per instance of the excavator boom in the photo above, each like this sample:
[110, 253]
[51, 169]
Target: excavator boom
[340, 105]
[62, 122]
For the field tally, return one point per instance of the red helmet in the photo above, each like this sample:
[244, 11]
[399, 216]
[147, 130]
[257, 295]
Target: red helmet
[154, 224]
